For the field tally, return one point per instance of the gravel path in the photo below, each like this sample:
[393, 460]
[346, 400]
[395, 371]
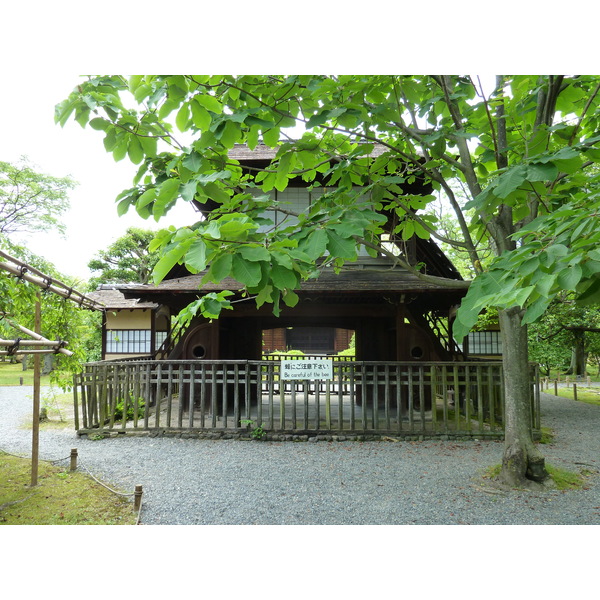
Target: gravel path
[231, 482]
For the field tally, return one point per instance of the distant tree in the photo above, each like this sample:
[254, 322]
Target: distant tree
[127, 260]
[31, 201]
[563, 338]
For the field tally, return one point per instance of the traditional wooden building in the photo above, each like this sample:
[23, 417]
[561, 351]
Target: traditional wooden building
[393, 314]
[406, 362]
[130, 327]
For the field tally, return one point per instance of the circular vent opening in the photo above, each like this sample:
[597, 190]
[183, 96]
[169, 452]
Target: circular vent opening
[416, 352]
[199, 351]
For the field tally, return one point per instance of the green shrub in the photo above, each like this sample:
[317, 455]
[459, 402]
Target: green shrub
[131, 413]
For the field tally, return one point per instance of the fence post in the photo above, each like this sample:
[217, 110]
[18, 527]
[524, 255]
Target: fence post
[137, 497]
[575, 392]
[556, 387]
[73, 459]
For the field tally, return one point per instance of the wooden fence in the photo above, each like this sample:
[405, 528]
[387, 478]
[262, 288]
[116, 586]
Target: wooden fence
[230, 398]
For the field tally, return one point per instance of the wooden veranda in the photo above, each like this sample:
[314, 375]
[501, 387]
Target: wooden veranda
[363, 400]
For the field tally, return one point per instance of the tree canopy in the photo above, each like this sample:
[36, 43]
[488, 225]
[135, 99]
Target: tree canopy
[31, 201]
[522, 150]
[126, 260]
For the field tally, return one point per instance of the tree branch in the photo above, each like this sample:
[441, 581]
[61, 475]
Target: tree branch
[457, 284]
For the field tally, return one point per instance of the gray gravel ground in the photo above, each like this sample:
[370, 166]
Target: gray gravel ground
[232, 482]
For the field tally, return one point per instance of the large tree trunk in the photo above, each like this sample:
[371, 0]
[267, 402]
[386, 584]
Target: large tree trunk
[578, 364]
[522, 464]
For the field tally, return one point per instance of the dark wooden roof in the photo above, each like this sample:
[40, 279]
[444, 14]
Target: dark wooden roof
[367, 282]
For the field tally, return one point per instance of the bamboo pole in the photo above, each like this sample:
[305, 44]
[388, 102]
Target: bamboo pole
[34, 343]
[37, 336]
[32, 275]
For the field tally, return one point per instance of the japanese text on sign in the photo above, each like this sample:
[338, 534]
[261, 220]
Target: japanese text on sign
[307, 369]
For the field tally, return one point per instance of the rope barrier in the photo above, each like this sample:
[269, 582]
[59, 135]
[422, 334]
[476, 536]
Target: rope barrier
[137, 494]
[12, 349]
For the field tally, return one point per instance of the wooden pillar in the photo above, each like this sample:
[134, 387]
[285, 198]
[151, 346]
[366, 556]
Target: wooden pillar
[35, 437]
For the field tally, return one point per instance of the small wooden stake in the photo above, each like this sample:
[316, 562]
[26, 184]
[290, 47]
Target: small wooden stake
[73, 459]
[556, 387]
[575, 392]
[137, 498]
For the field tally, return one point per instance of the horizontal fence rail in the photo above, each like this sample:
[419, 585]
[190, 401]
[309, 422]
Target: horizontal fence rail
[231, 398]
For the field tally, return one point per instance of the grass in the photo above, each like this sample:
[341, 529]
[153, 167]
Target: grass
[547, 435]
[11, 374]
[584, 394]
[562, 478]
[60, 498]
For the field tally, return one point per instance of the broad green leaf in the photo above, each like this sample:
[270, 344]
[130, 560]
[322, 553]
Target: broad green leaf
[200, 116]
[264, 296]
[340, 247]
[214, 176]
[271, 137]
[99, 124]
[408, 230]
[196, 255]
[149, 145]
[570, 277]
[246, 272]
[183, 117]
[236, 230]
[255, 253]
[541, 172]
[544, 282]
[123, 206]
[168, 191]
[556, 251]
[315, 245]
[290, 298]
[215, 192]
[230, 134]
[348, 227]
[120, 148]
[209, 103]
[213, 303]
[567, 160]
[135, 150]
[283, 278]
[510, 181]
[146, 198]
[219, 268]
[536, 310]
[529, 266]
[168, 261]
[192, 161]
[188, 191]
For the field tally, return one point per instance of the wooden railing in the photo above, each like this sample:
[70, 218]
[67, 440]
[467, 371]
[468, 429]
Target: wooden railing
[413, 400]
